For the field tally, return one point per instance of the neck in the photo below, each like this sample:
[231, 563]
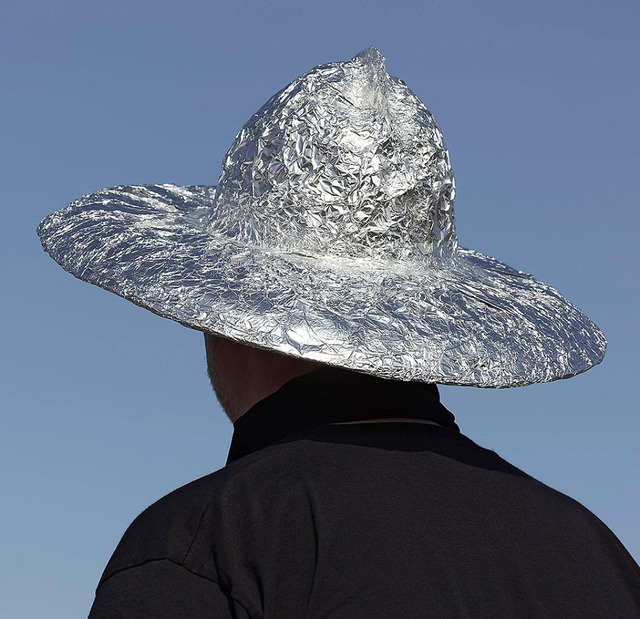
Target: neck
[243, 376]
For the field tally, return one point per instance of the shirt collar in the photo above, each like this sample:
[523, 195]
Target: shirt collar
[331, 395]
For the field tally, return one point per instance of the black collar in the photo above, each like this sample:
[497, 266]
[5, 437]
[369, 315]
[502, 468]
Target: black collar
[332, 395]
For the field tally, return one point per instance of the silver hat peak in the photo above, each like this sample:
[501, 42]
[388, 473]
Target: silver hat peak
[346, 160]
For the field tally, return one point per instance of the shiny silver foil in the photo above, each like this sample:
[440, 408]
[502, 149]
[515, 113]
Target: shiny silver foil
[330, 236]
[345, 160]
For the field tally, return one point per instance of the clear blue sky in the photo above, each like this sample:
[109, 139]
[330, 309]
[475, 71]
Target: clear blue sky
[106, 407]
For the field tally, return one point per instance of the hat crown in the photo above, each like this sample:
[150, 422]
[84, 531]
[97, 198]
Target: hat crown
[345, 160]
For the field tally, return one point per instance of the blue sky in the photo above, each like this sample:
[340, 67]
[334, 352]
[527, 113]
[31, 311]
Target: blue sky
[106, 407]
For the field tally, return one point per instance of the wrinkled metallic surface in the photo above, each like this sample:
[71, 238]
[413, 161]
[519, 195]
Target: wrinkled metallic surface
[345, 159]
[330, 237]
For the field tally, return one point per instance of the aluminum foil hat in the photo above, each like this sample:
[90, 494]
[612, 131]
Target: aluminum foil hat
[330, 236]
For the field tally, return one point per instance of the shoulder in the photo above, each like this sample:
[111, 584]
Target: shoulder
[168, 528]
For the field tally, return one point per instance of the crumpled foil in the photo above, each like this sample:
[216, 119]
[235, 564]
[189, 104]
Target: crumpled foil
[330, 236]
[346, 160]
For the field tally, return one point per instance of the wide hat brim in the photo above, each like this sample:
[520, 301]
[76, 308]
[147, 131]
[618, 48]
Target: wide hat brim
[472, 321]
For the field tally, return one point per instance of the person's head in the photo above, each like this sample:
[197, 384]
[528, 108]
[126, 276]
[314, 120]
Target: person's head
[242, 375]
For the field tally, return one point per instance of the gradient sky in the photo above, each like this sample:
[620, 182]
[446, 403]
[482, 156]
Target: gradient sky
[106, 407]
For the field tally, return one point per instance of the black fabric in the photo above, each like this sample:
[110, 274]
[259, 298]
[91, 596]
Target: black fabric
[386, 519]
[327, 396]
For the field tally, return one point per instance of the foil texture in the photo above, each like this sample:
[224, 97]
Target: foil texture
[345, 160]
[330, 236]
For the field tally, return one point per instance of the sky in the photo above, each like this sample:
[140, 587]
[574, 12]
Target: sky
[105, 407]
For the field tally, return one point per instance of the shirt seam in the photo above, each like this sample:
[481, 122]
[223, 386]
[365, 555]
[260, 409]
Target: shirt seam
[195, 533]
[212, 580]
[188, 552]
[142, 563]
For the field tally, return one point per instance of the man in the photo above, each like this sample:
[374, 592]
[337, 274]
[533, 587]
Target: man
[325, 273]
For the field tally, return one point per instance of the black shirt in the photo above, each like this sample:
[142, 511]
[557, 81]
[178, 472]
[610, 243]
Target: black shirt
[397, 520]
